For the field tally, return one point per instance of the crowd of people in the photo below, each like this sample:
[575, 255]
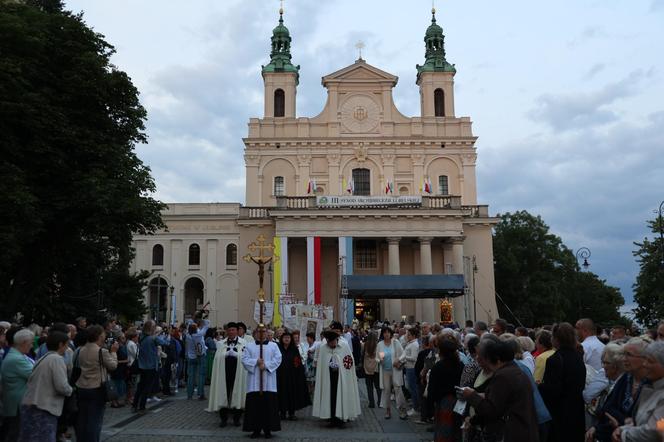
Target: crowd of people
[478, 383]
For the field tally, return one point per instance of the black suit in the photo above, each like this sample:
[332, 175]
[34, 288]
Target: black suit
[562, 391]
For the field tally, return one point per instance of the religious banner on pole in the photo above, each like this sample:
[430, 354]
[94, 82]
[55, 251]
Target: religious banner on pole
[308, 325]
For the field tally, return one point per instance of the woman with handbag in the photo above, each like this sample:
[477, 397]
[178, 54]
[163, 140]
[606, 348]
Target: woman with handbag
[391, 373]
[46, 391]
[95, 362]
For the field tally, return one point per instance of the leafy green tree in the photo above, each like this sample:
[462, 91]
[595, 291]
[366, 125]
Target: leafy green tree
[538, 277]
[649, 286]
[72, 190]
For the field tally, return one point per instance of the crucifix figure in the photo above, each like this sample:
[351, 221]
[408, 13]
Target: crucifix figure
[261, 259]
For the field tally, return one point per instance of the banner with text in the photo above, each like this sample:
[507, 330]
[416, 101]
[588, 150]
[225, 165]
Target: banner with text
[364, 201]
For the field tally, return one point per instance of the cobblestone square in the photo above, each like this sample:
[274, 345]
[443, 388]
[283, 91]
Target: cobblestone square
[179, 419]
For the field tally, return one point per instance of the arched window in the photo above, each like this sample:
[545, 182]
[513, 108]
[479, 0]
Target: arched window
[158, 290]
[194, 255]
[439, 102]
[279, 103]
[158, 255]
[231, 255]
[443, 185]
[194, 293]
[279, 187]
[403, 190]
[361, 182]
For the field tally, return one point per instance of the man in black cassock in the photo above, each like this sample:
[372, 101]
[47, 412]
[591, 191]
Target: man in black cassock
[291, 381]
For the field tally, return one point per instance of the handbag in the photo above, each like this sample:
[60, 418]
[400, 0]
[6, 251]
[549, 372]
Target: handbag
[108, 387]
[75, 370]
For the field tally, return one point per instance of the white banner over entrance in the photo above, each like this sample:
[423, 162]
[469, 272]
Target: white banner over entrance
[364, 201]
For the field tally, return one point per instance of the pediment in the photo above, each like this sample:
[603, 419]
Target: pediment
[360, 71]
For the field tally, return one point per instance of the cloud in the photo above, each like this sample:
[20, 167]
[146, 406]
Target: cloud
[594, 188]
[588, 33]
[594, 70]
[656, 6]
[581, 110]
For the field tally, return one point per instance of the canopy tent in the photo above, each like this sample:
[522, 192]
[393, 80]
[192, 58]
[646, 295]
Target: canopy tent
[404, 286]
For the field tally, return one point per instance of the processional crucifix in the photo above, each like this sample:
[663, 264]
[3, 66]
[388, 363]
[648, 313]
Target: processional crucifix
[262, 259]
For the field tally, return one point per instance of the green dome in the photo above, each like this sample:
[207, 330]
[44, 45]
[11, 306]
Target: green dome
[280, 56]
[434, 42]
[280, 31]
[434, 30]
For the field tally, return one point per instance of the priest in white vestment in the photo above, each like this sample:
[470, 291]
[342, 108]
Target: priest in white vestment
[336, 395]
[262, 404]
[228, 387]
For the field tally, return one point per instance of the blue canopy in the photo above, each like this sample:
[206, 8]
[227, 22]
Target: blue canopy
[404, 286]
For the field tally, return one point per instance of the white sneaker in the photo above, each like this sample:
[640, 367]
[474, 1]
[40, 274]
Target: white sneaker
[410, 412]
[154, 399]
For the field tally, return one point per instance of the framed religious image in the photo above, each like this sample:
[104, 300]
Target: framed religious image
[311, 326]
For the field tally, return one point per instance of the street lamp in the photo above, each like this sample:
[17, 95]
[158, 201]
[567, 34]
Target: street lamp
[584, 253]
[474, 292]
[171, 307]
[660, 221]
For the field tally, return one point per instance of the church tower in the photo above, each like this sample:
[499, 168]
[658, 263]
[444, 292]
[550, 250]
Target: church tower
[280, 76]
[436, 76]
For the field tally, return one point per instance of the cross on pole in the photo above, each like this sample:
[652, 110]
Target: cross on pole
[261, 259]
[360, 45]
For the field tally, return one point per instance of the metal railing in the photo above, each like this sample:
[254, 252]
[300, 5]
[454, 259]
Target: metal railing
[437, 202]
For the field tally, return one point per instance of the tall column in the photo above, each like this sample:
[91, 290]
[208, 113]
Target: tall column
[427, 307]
[394, 305]
[457, 262]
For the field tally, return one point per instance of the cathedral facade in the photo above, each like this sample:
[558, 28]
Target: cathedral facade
[369, 211]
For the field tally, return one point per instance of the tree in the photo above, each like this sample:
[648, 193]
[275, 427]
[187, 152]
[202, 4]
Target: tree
[538, 277]
[649, 285]
[72, 190]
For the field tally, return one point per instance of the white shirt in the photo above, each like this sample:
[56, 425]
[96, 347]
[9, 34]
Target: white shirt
[592, 352]
[409, 356]
[132, 352]
[272, 358]
[529, 362]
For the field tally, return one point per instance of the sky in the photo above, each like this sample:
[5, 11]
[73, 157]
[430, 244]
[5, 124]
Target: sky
[566, 97]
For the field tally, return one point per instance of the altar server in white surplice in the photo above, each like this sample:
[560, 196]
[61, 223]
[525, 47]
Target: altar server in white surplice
[336, 395]
[228, 387]
[261, 407]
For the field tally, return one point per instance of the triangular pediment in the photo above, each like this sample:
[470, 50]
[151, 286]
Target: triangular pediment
[360, 71]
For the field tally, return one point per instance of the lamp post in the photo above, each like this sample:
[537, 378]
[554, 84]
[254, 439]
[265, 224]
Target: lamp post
[156, 315]
[474, 292]
[660, 222]
[584, 253]
[171, 307]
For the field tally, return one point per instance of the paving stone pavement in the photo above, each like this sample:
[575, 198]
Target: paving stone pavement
[178, 419]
